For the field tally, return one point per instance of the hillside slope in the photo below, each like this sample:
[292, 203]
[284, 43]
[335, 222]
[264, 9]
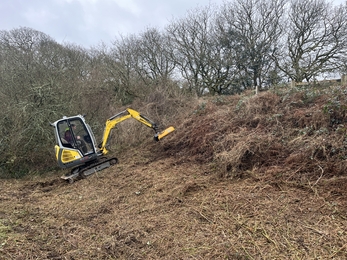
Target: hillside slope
[243, 177]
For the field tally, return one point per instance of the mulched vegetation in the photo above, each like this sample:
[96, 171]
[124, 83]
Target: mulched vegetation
[242, 177]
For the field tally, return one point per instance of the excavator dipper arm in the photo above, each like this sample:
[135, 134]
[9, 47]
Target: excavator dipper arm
[124, 115]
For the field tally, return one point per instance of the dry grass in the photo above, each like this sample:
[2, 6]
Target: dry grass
[161, 210]
[241, 178]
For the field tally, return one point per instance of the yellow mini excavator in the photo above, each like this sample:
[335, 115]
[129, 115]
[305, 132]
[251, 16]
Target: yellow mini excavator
[76, 146]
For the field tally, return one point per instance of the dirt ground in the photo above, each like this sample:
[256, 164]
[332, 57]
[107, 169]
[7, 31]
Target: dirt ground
[250, 185]
[164, 210]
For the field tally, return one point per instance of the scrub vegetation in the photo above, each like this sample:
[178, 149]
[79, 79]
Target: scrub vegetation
[256, 168]
[242, 177]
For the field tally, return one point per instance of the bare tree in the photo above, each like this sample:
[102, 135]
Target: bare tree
[251, 30]
[139, 64]
[24, 91]
[122, 67]
[218, 75]
[191, 40]
[315, 41]
[40, 80]
[155, 56]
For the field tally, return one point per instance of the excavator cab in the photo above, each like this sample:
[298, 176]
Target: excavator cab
[75, 142]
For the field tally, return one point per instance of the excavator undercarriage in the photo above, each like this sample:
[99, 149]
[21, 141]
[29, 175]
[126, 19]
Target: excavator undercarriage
[85, 170]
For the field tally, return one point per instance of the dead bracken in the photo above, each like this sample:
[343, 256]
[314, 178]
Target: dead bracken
[242, 177]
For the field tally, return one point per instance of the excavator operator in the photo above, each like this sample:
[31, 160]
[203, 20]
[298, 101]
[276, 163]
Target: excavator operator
[68, 134]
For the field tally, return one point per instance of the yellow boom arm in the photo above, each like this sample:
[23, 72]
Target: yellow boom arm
[126, 114]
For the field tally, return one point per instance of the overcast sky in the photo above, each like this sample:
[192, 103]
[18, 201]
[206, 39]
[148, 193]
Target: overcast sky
[88, 22]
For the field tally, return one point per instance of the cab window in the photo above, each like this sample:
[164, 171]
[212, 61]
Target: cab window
[73, 134]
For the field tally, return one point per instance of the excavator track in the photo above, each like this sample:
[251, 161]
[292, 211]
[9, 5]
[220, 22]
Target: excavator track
[84, 171]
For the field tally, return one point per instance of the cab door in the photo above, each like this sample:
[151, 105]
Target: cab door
[74, 142]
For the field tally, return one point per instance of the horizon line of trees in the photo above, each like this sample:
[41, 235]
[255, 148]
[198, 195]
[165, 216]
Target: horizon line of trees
[240, 45]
